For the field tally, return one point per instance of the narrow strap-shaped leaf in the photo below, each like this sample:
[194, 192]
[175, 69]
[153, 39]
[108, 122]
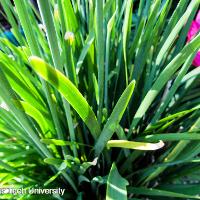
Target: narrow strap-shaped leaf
[45, 10]
[107, 7]
[7, 166]
[52, 36]
[8, 95]
[126, 32]
[114, 119]
[170, 137]
[85, 50]
[100, 55]
[69, 91]
[146, 44]
[60, 165]
[178, 12]
[189, 189]
[193, 73]
[157, 192]
[52, 178]
[21, 88]
[110, 25]
[164, 76]
[63, 143]
[58, 142]
[70, 19]
[135, 145]
[29, 31]
[172, 36]
[176, 152]
[26, 24]
[40, 117]
[174, 87]
[116, 185]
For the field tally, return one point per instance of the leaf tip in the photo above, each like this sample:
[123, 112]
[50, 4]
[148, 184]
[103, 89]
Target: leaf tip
[32, 58]
[160, 144]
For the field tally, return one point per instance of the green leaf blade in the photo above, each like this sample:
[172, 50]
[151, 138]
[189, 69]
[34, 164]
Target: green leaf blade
[135, 145]
[114, 119]
[116, 185]
[69, 91]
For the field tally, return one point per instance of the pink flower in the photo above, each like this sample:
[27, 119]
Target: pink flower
[194, 28]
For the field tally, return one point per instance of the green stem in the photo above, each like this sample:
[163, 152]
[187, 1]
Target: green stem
[47, 18]
[100, 54]
[35, 50]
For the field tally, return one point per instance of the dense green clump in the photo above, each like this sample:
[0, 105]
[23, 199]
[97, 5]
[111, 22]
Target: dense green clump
[100, 98]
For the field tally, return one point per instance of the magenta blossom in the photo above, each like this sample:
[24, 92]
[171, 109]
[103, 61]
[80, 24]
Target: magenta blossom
[194, 29]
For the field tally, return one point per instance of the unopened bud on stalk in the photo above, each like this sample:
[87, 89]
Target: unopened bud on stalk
[11, 56]
[69, 36]
[56, 12]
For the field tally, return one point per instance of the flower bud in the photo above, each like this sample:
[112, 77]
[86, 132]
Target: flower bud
[69, 36]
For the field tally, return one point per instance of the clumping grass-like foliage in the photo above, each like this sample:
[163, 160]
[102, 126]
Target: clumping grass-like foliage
[100, 97]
